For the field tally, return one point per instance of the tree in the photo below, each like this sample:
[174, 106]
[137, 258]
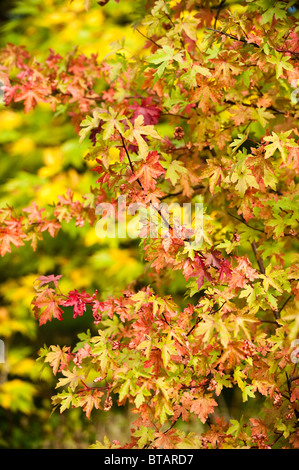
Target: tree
[222, 76]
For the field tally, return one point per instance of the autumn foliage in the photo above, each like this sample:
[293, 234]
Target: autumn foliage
[224, 80]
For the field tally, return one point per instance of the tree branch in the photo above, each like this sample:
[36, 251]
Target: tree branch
[245, 223]
[277, 312]
[231, 36]
[139, 182]
[258, 259]
[219, 8]
[149, 39]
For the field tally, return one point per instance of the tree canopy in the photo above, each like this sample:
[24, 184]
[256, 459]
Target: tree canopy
[190, 328]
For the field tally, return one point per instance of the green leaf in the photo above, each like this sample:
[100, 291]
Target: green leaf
[174, 169]
[124, 390]
[278, 11]
[139, 400]
[247, 392]
[163, 56]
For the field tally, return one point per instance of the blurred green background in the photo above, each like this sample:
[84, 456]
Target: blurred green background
[40, 159]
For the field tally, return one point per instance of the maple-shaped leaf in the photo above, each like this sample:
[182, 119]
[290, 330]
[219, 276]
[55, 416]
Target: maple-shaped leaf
[57, 357]
[175, 169]
[34, 213]
[278, 11]
[52, 226]
[295, 394]
[196, 268]
[294, 439]
[164, 56]
[145, 435]
[78, 301]
[47, 279]
[11, 234]
[32, 94]
[71, 378]
[202, 407]
[46, 306]
[183, 409]
[258, 427]
[225, 270]
[149, 111]
[281, 142]
[89, 124]
[90, 399]
[97, 309]
[138, 132]
[148, 171]
[167, 440]
[215, 174]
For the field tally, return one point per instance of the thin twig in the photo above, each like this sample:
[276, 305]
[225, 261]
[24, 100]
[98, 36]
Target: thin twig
[128, 156]
[231, 36]
[219, 8]
[276, 439]
[269, 321]
[199, 319]
[149, 39]
[258, 259]
[277, 312]
[139, 182]
[245, 223]
[195, 188]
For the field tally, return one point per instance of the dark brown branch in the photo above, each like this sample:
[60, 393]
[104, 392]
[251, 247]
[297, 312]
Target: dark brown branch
[269, 321]
[245, 223]
[258, 259]
[219, 8]
[277, 312]
[180, 192]
[276, 439]
[128, 156]
[149, 39]
[139, 182]
[293, 377]
[231, 36]
[199, 319]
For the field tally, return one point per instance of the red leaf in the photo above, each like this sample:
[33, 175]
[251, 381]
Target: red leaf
[196, 268]
[79, 301]
[51, 225]
[31, 96]
[49, 302]
[12, 233]
[47, 279]
[149, 112]
[148, 171]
